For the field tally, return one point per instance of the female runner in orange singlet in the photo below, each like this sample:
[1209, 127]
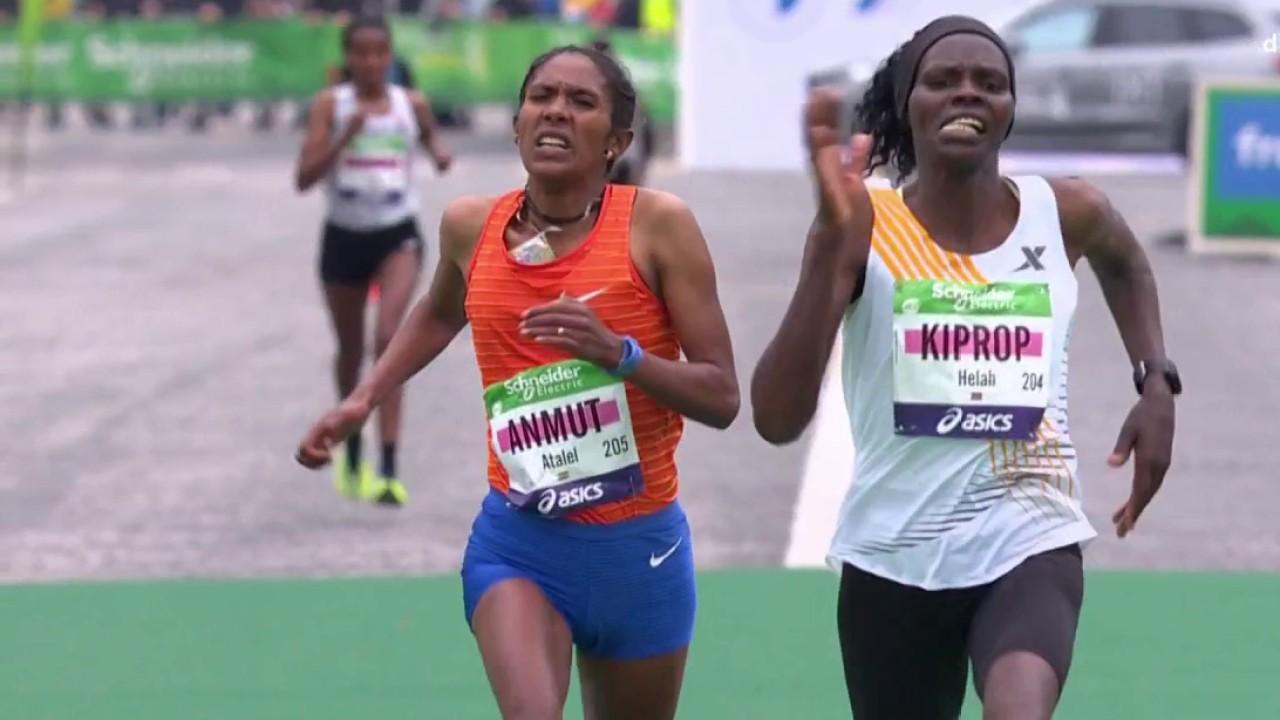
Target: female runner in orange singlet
[582, 296]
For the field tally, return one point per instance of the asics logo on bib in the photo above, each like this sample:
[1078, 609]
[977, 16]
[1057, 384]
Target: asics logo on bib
[974, 422]
[950, 420]
[552, 499]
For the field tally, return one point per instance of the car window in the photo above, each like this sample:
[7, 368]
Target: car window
[1056, 31]
[1218, 25]
[1122, 25]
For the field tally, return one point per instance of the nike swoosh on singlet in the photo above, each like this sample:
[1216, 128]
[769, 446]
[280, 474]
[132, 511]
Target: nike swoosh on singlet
[587, 296]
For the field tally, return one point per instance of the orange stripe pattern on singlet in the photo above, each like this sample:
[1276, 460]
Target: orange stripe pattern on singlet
[499, 289]
[907, 250]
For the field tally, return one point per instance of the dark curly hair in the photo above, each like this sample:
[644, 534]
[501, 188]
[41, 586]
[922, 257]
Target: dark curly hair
[892, 145]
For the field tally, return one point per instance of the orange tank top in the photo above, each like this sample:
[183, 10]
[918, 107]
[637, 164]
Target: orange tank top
[499, 289]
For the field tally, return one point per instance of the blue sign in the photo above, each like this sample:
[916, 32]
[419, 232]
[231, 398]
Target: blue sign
[1248, 148]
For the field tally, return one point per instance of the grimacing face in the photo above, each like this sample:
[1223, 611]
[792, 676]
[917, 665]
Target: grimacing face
[564, 125]
[961, 105]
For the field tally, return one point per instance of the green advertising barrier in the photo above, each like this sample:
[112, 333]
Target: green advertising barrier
[485, 63]
[1234, 198]
[172, 60]
[176, 60]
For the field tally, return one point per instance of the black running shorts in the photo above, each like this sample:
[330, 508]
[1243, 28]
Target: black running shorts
[907, 650]
[352, 257]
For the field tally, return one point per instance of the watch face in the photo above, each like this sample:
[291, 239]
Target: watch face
[1173, 378]
[1167, 368]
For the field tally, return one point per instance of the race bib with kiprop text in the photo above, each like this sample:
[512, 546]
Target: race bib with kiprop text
[971, 360]
[563, 433]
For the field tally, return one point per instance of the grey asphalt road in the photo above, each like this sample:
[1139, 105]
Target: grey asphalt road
[163, 346]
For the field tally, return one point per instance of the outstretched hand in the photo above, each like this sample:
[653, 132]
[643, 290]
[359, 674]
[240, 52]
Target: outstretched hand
[1147, 434]
[844, 205]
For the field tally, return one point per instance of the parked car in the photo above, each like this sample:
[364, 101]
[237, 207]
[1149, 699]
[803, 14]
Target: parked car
[1117, 73]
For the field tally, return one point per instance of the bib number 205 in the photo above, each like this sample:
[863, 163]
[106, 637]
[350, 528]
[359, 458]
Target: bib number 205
[614, 447]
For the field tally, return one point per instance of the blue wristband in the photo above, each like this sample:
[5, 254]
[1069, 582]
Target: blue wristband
[631, 356]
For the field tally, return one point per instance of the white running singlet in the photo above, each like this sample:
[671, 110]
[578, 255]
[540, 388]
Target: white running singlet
[955, 380]
[371, 185]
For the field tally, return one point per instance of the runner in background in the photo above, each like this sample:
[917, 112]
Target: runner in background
[959, 540]
[582, 297]
[361, 139]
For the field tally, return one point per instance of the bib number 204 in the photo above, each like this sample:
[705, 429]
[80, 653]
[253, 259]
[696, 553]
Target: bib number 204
[616, 446]
[1032, 381]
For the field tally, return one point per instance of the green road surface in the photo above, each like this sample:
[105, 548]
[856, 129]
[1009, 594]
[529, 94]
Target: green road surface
[1152, 647]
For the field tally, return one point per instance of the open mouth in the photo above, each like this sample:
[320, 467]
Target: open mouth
[965, 126]
[551, 140]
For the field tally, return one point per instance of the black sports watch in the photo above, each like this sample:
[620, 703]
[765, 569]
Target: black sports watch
[1165, 367]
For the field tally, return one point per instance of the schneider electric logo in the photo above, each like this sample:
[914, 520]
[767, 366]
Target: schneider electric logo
[781, 19]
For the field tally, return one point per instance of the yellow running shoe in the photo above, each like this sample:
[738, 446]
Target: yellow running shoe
[353, 485]
[390, 491]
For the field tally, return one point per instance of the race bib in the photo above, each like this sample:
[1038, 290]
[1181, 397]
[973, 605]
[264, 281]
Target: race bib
[563, 433]
[971, 360]
[374, 169]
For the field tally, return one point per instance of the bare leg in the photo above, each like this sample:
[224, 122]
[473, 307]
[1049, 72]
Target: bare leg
[645, 689]
[397, 279]
[346, 309]
[527, 650]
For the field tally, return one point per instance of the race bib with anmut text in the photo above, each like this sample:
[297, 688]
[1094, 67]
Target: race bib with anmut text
[971, 360]
[563, 433]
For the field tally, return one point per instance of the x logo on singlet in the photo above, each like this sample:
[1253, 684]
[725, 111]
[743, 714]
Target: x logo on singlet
[1033, 258]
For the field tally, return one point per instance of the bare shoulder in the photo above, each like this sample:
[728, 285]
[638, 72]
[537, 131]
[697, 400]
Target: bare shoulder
[1083, 208]
[417, 99]
[460, 226]
[666, 223]
[325, 98]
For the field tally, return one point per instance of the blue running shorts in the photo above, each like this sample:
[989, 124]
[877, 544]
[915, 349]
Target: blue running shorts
[626, 589]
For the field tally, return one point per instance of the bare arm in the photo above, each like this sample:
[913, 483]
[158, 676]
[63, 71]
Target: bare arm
[1094, 230]
[705, 388]
[788, 378]
[429, 133]
[318, 152]
[439, 316]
